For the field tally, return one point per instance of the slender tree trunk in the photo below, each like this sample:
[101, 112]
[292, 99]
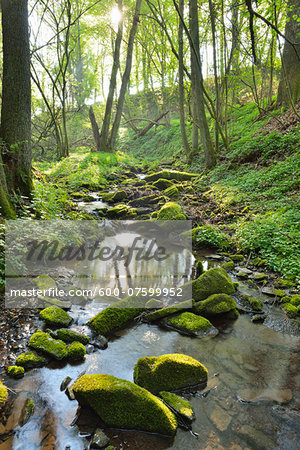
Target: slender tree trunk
[125, 78]
[213, 29]
[197, 87]
[16, 96]
[185, 142]
[6, 208]
[95, 128]
[289, 86]
[104, 136]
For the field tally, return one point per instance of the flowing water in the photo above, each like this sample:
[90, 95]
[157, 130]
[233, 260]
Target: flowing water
[251, 400]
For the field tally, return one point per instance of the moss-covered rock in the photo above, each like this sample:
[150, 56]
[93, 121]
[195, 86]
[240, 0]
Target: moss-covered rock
[3, 394]
[55, 316]
[199, 268]
[44, 343]
[117, 211]
[279, 293]
[181, 406]
[213, 281]
[168, 311]
[237, 258]
[169, 372]
[153, 303]
[118, 315]
[76, 351]
[254, 303]
[15, 371]
[171, 191]
[146, 200]
[171, 175]
[31, 360]
[291, 310]
[228, 266]
[231, 315]
[282, 283]
[215, 304]
[118, 196]
[122, 404]
[44, 282]
[191, 324]
[171, 211]
[69, 336]
[295, 300]
[162, 184]
[259, 276]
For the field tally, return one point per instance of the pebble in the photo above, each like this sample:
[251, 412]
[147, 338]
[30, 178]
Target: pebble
[99, 439]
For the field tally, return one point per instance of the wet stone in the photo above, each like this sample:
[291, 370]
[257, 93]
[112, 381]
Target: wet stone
[269, 395]
[99, 440]
[65, 383]
[220, 418]
[100, 342]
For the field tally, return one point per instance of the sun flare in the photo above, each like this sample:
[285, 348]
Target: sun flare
[116, 16]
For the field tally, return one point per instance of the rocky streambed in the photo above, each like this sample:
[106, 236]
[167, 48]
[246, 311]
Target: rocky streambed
[236, 328]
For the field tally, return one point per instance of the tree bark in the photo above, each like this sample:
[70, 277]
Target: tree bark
[185, 142]
[289, 86]
[95, 129]
[16, 96]
[198, 88]
[104, 137]
[125, 77]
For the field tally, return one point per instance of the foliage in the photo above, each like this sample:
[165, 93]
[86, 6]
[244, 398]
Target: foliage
[210, 236]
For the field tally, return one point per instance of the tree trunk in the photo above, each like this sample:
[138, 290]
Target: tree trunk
[289, 86]
[198, 88]
[104, 146]
[95, 128]
[181, 84]
[151, 124]
[6, 208]
[16, 96]
[125, 77]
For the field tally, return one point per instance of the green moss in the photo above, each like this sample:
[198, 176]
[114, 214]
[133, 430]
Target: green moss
[170, 211]
[15, 371]
[215, 304]
[281, 283]
[55, 316]
[118, 315]
[3, 394]
[182, 407]
[118, 196]
[117, 211]
[279, 293]
[291, 310]
[27, 411]
[44, 343]
[237, 258]
[169, 372]
[254, 303]
[191, 324]
[295, 300]
[153, 303]
[228, 266]
[171, 175]
[76, 351]
[69, 336]
[286, 299]
[30, 360]
[199, 268]
[122, 404]
[44, 282]
[260, 276]
[213, 281]
[165, 312]
[236, 284]
[162, 184]
[171, 191]
[231, 315]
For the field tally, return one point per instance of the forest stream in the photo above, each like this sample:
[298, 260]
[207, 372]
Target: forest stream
[250, 400]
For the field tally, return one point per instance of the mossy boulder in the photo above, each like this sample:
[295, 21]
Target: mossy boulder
[171, 211]
[3, 394]
[118, 315]
[291, 310]
[146, 200]
[117, 211]
[191, 324]
[171, 191]
[27, 412]
[170, 175]
[76, 351]
[69, 336]
[295, 300]
[44, 343]
[237, 258]
[215, 305]
[254, 303]
[15, 371]
[168, 311]
[162, 184]
[55, 316]
[31, 360]
[228, 266]
[122, 404]
[181, 406]
[213, 281]
[169, 372]
[45, 282]
[118, 196]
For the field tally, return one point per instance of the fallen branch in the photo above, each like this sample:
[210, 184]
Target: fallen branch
[150, 125]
